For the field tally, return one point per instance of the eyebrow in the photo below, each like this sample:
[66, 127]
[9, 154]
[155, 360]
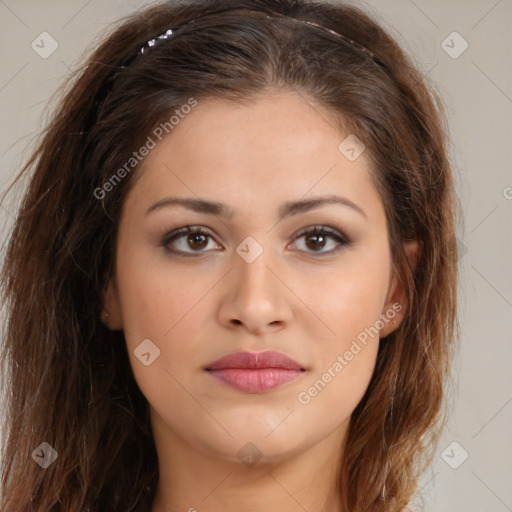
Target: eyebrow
[287, 209]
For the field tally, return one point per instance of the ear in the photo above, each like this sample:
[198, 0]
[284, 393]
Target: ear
[397, 301]
[111, 313]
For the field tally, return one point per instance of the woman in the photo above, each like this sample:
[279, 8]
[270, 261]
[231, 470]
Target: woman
[231, 284]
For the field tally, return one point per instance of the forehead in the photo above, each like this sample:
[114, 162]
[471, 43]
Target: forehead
[277, 145]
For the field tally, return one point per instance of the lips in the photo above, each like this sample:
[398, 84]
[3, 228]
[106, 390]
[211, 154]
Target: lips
[255, 360]
[255, 372]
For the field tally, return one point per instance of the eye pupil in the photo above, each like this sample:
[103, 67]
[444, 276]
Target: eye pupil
[317, 237]
[197, 238]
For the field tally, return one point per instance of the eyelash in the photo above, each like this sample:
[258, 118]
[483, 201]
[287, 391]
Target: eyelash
[341, 239]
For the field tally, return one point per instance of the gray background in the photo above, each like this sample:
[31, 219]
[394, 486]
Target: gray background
[477, 90]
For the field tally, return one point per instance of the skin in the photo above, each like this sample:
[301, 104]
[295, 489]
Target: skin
[291, 299]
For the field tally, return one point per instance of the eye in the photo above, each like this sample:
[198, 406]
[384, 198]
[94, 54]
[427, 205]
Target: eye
[318, 237]
[187, 238]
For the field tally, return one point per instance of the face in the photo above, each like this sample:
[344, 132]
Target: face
[311, 281]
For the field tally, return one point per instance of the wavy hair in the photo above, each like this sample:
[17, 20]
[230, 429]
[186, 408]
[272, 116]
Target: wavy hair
[68, 377]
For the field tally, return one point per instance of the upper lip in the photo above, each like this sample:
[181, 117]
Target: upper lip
[255, 360]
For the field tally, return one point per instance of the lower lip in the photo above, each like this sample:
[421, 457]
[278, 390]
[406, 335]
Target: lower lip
[256, 380]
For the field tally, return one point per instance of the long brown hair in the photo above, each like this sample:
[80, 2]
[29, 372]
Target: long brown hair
[69, 378]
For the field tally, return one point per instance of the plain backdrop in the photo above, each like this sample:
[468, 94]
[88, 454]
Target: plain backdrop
[464, 47]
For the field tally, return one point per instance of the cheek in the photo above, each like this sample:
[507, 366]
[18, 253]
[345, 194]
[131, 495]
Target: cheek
[158, 304]
[347, 306]
[156, 294]
[345, 301]
[346, 352]
[169, 305]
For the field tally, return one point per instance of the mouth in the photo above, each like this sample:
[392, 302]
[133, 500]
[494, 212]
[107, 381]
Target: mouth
[255, 372]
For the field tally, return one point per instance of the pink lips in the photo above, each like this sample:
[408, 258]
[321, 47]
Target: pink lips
[255, 372]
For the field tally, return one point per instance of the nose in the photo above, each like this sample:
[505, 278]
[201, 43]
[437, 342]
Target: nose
[255, 295]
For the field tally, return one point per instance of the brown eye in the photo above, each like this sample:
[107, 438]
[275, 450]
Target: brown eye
[187, 241]
[318, 238]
